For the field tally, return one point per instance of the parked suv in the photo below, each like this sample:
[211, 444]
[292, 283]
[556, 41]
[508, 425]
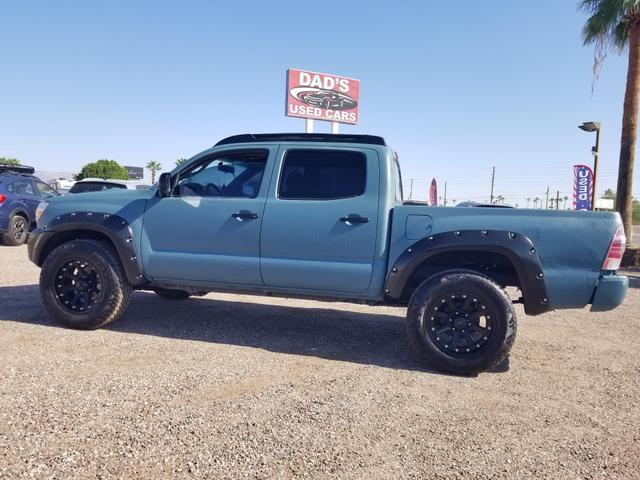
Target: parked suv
[323, 216]
[20, 194]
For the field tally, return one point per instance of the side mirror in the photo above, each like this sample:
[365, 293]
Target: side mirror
[164, 185]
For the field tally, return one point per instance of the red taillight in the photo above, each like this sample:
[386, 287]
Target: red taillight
[2, 198]
[616, 250]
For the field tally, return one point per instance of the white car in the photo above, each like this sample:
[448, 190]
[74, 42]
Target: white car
[99, 184]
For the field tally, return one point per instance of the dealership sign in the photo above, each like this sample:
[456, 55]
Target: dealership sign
[321, 96]
[582, 187]
[134, 173]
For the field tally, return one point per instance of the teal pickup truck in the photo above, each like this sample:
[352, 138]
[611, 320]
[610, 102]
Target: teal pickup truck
[323, 216]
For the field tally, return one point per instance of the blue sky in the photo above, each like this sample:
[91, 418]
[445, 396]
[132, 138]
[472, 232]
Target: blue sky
[455, 87]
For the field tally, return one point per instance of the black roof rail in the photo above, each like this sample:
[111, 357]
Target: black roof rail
[4, 167]
[302, 137]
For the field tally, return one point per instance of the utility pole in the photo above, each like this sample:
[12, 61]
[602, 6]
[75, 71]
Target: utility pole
[445, 194]
[547, 206]
[411, 190]
[596, 157]
[595, 150]
[557, 199]
[493, 179]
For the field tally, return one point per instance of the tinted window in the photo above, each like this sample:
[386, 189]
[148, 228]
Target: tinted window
[224, 175]
[82, 187]
[45, 190]
[322, 175]
[21, 187]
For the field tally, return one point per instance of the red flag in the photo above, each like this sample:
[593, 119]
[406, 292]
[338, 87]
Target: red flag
[433, 193]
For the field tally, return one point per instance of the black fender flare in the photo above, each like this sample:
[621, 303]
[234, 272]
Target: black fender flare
[114, 227]
[519, 249]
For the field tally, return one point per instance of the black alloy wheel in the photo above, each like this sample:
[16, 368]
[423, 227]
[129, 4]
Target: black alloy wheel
[78, 286]
[460, 324]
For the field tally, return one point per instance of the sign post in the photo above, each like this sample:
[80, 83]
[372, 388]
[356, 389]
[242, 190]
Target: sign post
[321, 96]
[308, 125]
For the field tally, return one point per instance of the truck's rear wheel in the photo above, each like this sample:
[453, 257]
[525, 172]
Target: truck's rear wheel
[461, 323]
[83, 285]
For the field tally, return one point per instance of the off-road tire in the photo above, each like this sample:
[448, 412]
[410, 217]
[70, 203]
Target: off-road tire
[116, 290]
[459, 283]
[169, 294]
[18, 231]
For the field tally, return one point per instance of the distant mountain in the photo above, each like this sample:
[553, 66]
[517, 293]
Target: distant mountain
[45, 176]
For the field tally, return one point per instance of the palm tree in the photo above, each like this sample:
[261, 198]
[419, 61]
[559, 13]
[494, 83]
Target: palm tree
[499, 199]
[154, 167]
[535, 202]
[616, 24]
[181, 161]
[528, 201]
[551, 200]
[565, 202]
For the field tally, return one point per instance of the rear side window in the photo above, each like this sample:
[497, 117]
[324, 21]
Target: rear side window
[322, 175]
[21, 187]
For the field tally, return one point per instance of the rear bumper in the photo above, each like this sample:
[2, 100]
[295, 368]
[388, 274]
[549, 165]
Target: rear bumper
[610, 293]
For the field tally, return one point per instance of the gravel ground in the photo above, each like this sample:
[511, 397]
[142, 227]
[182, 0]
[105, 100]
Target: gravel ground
[233, 386]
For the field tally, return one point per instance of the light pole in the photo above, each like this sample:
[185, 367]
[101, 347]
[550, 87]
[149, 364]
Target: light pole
[593, 127]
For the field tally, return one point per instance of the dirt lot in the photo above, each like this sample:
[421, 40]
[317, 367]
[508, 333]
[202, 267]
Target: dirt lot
[230, 386]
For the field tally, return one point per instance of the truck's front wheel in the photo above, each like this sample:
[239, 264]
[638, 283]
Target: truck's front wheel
[461, 323]
[83, 285]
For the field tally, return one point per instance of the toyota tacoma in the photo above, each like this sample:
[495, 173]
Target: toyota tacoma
[323, 216]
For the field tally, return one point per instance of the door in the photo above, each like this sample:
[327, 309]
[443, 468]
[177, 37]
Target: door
[320, 224]
[26, 196]
[208, 230]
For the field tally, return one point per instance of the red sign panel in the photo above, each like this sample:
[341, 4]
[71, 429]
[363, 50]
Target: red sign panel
[322, 97]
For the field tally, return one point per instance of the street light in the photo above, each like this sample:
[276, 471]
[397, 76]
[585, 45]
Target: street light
[593, 127]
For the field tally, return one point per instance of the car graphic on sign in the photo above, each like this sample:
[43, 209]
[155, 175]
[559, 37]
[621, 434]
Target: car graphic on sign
[329, 99]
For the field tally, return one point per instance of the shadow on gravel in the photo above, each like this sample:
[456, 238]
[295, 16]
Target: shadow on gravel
[363, 338]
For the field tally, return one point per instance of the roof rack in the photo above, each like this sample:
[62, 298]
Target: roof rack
[4, 167]
[302, 137]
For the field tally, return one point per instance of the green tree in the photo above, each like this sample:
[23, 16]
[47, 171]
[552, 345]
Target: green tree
[181, 161]
[154, 167]
[14, 162]
[616, 24]
[103, 168]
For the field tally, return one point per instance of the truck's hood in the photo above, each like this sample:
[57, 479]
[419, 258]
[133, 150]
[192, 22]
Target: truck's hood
[128, 204]
[111, 197]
